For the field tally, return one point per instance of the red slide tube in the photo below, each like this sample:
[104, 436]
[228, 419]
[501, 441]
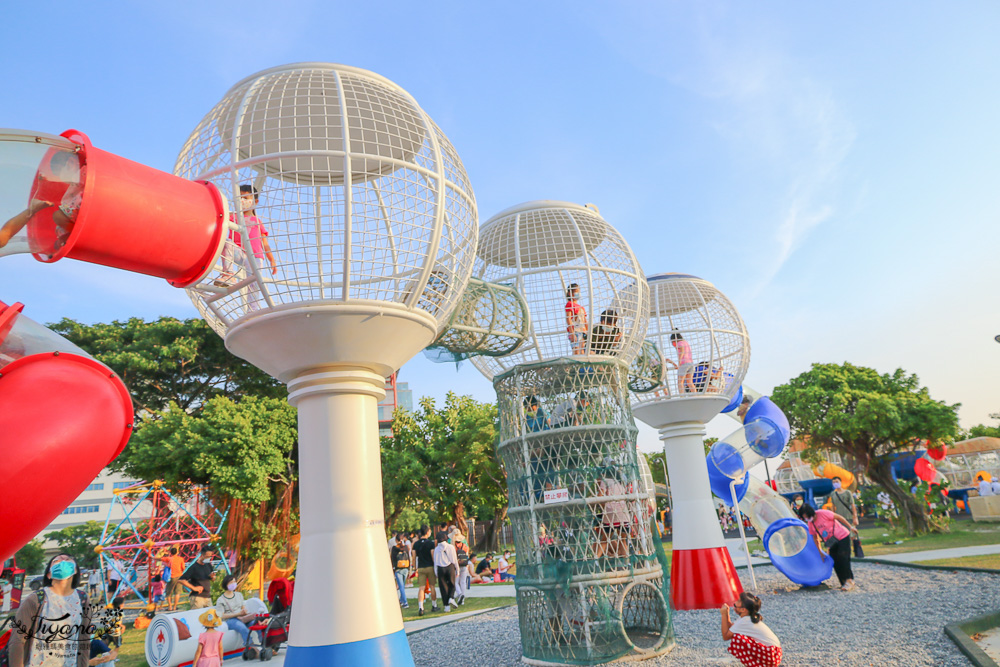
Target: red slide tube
[141, 219]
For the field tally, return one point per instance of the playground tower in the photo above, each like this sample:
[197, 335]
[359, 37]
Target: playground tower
[350, 246]
[590, 581]
[706, 351]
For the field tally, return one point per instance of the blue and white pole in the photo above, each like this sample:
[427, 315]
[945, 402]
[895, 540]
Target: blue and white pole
[345, 610]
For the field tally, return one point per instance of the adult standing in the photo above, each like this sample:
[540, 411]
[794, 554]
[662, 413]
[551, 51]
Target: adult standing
[833, 532]
[424, 551]
[176, 566]
[63, 610]
[115, 569]
[845, 507]
[985, 487]
[198, 578]
[399, 556]
[446, 564]
[462, 551]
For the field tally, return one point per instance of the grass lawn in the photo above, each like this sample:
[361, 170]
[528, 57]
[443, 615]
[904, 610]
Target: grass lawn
[963, 534]
[990, 562]
[133, 650]
[471, 604]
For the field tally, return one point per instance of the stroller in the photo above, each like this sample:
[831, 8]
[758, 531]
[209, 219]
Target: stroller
[272, 629]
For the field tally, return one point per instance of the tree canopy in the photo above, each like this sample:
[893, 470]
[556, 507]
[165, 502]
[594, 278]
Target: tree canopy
[984, 430]
[867, 416]
[79, 542]
[169, 361]
[442, 461]
[31, 556]
[203, 416]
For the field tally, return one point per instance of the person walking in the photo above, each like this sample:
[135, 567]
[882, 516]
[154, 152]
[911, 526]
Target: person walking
[424, 551]
[198, 578]
[446, 568]
[833, 532]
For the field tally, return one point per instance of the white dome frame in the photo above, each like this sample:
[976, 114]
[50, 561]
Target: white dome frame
[543, 247]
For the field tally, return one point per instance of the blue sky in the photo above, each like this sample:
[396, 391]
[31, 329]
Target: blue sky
[833, 168]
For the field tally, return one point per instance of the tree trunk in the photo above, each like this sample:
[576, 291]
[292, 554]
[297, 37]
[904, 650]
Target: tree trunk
[911, 510]
[459, 513]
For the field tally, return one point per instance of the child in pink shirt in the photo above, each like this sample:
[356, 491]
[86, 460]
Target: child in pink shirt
[209, 651]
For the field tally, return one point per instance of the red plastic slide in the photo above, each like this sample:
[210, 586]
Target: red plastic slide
[63, 417]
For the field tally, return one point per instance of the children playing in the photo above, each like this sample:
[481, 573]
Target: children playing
[156, 589]
[685, 364]
[576, 320]
[209, 651]
[234, 257]
[55, 200]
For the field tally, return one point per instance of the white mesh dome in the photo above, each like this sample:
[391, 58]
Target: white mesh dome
[701, 336]
[361, 196]
[542, 248]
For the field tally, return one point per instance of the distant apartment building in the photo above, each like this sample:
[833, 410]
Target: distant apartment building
[94, 504]
[397, 396]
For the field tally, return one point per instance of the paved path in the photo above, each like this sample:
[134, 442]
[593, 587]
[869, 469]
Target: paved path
[735, 547]
[935, 554]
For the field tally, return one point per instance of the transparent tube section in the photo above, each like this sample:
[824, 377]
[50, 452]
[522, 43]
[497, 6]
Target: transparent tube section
[746, 447]
[41, 189]
[763, 507]
[750, 397]
[28, 337]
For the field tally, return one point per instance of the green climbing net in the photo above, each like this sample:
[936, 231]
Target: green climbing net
[592, 581]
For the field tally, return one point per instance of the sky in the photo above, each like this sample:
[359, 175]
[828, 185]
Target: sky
[833, 169]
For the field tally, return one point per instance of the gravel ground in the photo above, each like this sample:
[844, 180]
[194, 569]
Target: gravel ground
[895, 616]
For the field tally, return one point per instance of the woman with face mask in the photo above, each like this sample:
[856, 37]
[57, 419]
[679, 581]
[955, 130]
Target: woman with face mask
[37, 639]
[231, 608]
[833, 532]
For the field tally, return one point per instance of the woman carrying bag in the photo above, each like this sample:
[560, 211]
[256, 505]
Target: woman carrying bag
[832, 533]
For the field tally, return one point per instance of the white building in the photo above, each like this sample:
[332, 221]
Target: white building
[93, 505]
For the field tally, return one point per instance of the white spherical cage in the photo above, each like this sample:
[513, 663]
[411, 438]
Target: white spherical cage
[543, 247]
[363, 198]
[707, 320]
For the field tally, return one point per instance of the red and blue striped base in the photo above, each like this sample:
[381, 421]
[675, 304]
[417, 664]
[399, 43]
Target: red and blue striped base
[703, 579]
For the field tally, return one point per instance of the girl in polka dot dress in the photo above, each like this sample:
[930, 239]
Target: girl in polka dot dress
[751, 641]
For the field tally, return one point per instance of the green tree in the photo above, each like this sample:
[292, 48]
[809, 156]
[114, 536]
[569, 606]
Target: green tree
[202, 416]
[242, 450]
[79, 542]
[868, 416]
[443, 462]
[169, 361]
[31, 556]
[983, 430]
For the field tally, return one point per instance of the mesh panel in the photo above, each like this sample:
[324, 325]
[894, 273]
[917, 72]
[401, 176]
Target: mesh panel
[361, 196]
[490, 320]
[591, 579]
[544, 249]
[700, 335]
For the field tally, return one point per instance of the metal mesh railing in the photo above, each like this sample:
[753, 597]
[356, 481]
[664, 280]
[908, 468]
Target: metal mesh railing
[700, 336]
[359, 196]
[490, 320]
[582, 517]
[586, 293]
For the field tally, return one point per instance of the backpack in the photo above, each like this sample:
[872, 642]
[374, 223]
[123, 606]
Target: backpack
[463, 557]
